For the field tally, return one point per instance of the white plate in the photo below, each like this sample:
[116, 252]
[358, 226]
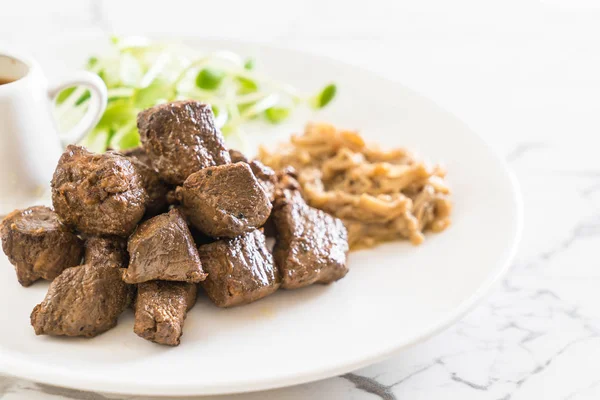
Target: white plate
[393, 297]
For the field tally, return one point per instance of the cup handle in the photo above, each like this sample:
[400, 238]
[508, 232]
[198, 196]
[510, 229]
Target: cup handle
[96, 107]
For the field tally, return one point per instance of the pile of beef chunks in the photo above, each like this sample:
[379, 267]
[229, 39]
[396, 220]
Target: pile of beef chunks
[142, 228]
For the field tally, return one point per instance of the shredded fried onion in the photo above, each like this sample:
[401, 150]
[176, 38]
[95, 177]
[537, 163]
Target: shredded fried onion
[381, 195]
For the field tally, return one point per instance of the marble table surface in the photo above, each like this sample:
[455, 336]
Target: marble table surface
[522, 73]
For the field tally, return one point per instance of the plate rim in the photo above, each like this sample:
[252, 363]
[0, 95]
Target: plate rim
[13, 366]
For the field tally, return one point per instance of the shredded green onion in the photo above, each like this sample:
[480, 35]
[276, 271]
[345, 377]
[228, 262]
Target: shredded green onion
[140, 73]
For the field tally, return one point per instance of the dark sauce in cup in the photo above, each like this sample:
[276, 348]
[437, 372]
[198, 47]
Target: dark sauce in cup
[4, 81]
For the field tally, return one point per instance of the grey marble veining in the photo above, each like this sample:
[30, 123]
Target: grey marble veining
[530, 88]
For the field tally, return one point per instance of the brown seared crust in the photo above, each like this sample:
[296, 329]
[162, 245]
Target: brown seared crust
[160, 310]
[98, 194]
[82, 301]
[181, 138]
[163, 248]
[265, 175]
[240, 270]
[224, 201]
[38, 244]
[108, 250]
[155, 187]
[311, 245]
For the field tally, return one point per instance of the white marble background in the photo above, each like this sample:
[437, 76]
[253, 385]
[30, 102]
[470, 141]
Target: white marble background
[523, 73]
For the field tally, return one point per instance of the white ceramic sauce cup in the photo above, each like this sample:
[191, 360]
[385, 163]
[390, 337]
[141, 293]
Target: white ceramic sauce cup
[30, 145]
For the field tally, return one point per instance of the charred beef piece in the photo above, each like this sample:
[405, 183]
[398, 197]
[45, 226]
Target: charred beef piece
[109, 250]
[99, 194]
[181, 138]
[240, 270]
[38, 244]
[82, 301]
[311, 245]
[163, 248]
[265, 175]
[160, 310]
[155, 187]
[224, 201]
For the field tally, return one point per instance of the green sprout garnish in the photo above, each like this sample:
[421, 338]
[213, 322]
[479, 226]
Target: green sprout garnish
[249, 64]
[276, 115]
[140, 73]
[209, 78]
[325, 96]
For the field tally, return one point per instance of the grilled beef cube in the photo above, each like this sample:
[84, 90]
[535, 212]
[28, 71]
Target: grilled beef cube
[181, 138]
[108, 250]
[311, 245]
[155, 187]
[82, 301]
[224, 201]
[240, 270]
[99, 194]
[38, 244]
[163, 248]
[160, 310]
[265, 175]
